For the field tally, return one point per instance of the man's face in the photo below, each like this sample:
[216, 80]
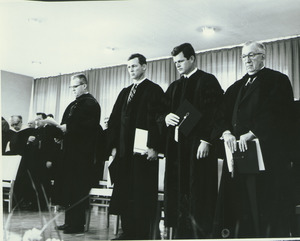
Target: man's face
[31, 124]
[253, 58]
[77, 88]
[183, 65]
[39, 121]
[135, 69]
[16, 123]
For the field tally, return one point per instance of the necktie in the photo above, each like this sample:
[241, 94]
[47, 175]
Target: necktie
[251, 79]
[132, 93]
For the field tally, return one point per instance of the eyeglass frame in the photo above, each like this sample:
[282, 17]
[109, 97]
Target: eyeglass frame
[250, 56]
[75, 86]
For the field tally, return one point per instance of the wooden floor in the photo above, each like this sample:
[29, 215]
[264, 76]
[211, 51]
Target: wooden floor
[16, 224]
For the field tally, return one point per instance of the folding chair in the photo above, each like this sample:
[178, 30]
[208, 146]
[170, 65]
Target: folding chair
[10, 166]
[100, 197]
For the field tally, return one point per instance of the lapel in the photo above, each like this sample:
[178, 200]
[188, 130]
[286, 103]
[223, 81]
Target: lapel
[250, 89]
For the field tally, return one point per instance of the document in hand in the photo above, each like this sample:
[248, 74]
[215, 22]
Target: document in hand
[248, 162]
[189, 117]
[140, 142]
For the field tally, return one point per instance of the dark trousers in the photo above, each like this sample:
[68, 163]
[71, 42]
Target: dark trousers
[75, 216]
[136, 225]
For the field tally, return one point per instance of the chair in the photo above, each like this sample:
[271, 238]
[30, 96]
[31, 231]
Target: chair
[100, 197]
[10, 166]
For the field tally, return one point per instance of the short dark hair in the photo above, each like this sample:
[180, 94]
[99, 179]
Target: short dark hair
[187, 50]
[44, 116]
[141, 58]
[50, 115]
[81, 77]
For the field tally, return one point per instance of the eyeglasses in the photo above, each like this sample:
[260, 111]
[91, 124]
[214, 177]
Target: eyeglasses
[250, 56]
[74, 86]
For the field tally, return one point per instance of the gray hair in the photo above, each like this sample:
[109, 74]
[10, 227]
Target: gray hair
[260, 46]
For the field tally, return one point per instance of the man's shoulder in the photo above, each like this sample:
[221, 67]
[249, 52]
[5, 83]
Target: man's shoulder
[150, 84]
[89, 99]
[272, 72]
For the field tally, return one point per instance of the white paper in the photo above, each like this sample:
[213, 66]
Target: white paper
[140, 141]
[261, 164]
[176, 134]
[229, 157]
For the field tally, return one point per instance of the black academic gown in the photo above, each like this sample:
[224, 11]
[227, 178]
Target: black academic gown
[135, 178]
[191, 184]
[263, 208]
[33, 180]
[82, 118]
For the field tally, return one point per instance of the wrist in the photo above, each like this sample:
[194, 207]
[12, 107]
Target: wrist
[227, 132]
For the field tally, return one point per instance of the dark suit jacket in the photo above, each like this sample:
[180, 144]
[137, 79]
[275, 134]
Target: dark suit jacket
[265, 109]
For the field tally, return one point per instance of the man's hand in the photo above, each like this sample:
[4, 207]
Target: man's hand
[203, 150]
[48, 164]
[63, 128]
[30, 139]
[172, 119]
[113, 152]
[230, 141]
[243, 141]
[152, 154]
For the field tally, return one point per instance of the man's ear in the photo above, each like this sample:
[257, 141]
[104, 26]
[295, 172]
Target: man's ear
[144, 66]
[192, 58]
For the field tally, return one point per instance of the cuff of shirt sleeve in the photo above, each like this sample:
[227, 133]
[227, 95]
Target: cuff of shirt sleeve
[205, 142]
[252, 133]
[224, 133]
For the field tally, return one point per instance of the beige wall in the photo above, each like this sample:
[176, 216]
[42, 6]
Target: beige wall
[15, 95]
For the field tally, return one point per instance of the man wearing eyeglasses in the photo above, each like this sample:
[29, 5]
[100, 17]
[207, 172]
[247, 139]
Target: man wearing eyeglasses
[257, 204]
[79, 125]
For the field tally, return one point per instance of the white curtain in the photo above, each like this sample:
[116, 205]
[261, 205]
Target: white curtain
[52, 94]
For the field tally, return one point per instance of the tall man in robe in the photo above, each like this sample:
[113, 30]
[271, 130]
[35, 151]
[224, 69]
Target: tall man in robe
[256, 205]
[79, 124]
[135, 175]
[191, 163]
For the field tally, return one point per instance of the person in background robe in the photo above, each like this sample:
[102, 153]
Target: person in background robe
[135, 175]
[191, 162]
[5, 134]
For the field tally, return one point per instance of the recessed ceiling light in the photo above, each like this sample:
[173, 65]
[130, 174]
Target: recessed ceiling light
[208, 31]
[111, 48]
[36, 62]
[35, 20]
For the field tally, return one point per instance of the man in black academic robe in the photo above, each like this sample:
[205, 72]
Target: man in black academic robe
[80, 125]
[191, 161]
[135, 175]
[256, 205]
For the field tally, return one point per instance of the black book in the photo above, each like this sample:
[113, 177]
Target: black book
[246, 162]
[189, 117]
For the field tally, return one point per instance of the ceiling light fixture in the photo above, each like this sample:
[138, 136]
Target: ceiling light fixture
[36, 62]
[208, 31]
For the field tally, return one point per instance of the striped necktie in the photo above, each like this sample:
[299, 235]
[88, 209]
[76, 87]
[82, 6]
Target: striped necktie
[132, 93]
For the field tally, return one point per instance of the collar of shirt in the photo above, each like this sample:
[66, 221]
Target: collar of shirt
[139, 81]
[250, 80]
[191, 73]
